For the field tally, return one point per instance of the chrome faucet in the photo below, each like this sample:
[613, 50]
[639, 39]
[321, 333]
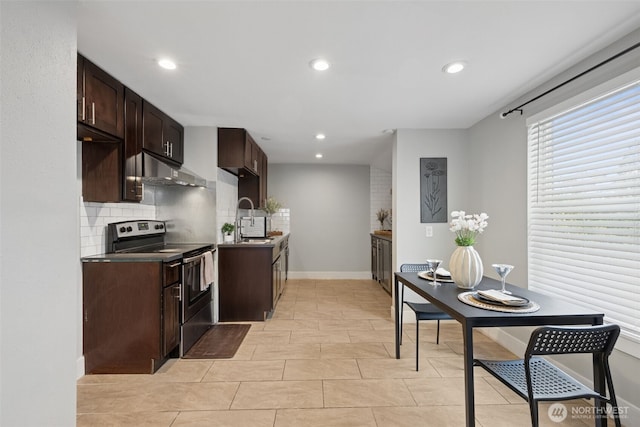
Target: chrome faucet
[237, 227]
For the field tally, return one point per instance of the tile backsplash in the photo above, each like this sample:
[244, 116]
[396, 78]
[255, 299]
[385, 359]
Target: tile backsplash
[281, 221]
[94, 218]
[380, 182]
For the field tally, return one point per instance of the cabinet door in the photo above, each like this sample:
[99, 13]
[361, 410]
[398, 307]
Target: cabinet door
[231, 143]
[255, 158]
[152, 129]
[161, 134]
[248, 152]
[385, 262]
[264, 173]
[174, 136]
[237, 152]
[101, 172]
[276, 283]
[132, 183]
[103, 101]
[374, 258]
[171, 318]
[121, 317]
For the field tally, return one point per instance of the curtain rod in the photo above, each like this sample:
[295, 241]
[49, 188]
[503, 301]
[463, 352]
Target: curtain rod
[617, 55]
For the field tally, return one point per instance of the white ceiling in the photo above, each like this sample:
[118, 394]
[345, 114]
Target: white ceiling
[245, 63]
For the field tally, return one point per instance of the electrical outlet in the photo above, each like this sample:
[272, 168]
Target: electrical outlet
[429, 231]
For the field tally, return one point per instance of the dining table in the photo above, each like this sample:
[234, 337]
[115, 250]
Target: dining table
[544, 310]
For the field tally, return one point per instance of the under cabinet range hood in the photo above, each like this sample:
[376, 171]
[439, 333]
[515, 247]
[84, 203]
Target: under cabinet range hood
[157, 172]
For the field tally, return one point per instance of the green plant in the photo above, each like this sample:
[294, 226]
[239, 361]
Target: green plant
[228, 228]
[271, 205]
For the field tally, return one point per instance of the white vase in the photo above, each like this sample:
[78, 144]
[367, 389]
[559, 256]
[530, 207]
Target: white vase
[465, 266]
[228, 238]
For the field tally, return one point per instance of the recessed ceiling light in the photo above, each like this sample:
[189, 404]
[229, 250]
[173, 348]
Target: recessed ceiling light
[167, 64]
[319, 64]
[320, 136]
[454, 67]
[318, 156]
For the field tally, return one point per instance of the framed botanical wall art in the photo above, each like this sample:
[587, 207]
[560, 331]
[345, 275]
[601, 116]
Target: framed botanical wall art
[433, 189]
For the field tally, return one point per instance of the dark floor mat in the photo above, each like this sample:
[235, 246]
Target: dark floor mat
[219, 342]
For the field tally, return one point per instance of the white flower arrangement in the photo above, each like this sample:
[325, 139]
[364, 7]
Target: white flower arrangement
[467, 227]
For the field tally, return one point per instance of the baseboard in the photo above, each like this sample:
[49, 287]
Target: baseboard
[80, 367]
[346, 275]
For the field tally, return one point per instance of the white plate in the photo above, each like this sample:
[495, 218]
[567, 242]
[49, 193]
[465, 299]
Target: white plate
[427, 276]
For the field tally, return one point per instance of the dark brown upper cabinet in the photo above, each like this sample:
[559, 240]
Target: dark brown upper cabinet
[161, 134]
[132, 182]
[237, 151]
[239, 154]
[100, 100]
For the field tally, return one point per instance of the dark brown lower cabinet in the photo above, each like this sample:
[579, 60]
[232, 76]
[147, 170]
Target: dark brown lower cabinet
[251, 279]
[130, 319]
[381, 261]
[245, 282]
[170, 318]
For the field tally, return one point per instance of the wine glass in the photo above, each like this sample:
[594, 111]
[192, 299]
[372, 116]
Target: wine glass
[503, 270]
[432, 265]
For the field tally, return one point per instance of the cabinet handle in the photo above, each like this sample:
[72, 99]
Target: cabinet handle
[179, 296]
[84, 106]
[93, 113]
[175, 264]
[171, 150]
[255, 165]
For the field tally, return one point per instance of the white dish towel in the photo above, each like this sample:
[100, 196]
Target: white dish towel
[207, 272]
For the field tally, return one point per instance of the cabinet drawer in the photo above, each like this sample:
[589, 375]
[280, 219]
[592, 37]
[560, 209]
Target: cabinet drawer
[171, 272]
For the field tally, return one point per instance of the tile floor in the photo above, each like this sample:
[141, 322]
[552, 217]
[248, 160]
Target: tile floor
[324, 359]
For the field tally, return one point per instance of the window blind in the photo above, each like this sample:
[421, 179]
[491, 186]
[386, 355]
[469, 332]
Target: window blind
[584, 206]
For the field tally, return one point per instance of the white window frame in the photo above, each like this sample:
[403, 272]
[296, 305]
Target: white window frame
[541, 259]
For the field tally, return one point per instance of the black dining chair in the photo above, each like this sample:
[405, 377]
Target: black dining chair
[536, 379]
[423, 311]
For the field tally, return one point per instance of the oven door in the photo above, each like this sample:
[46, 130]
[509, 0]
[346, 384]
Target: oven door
[195, 294]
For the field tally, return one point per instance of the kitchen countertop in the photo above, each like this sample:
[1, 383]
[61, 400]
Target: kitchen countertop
[275, 240]
[142, 257]
[125, 257]
[383, 236]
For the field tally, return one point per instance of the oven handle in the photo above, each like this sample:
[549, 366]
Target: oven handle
[194, 258]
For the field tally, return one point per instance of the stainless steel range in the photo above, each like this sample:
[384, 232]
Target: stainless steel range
[195, 262]
[142, 301]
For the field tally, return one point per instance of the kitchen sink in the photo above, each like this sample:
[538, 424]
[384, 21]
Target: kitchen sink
[255, 241]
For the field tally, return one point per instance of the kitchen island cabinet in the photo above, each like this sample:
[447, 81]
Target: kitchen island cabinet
[251, 279]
